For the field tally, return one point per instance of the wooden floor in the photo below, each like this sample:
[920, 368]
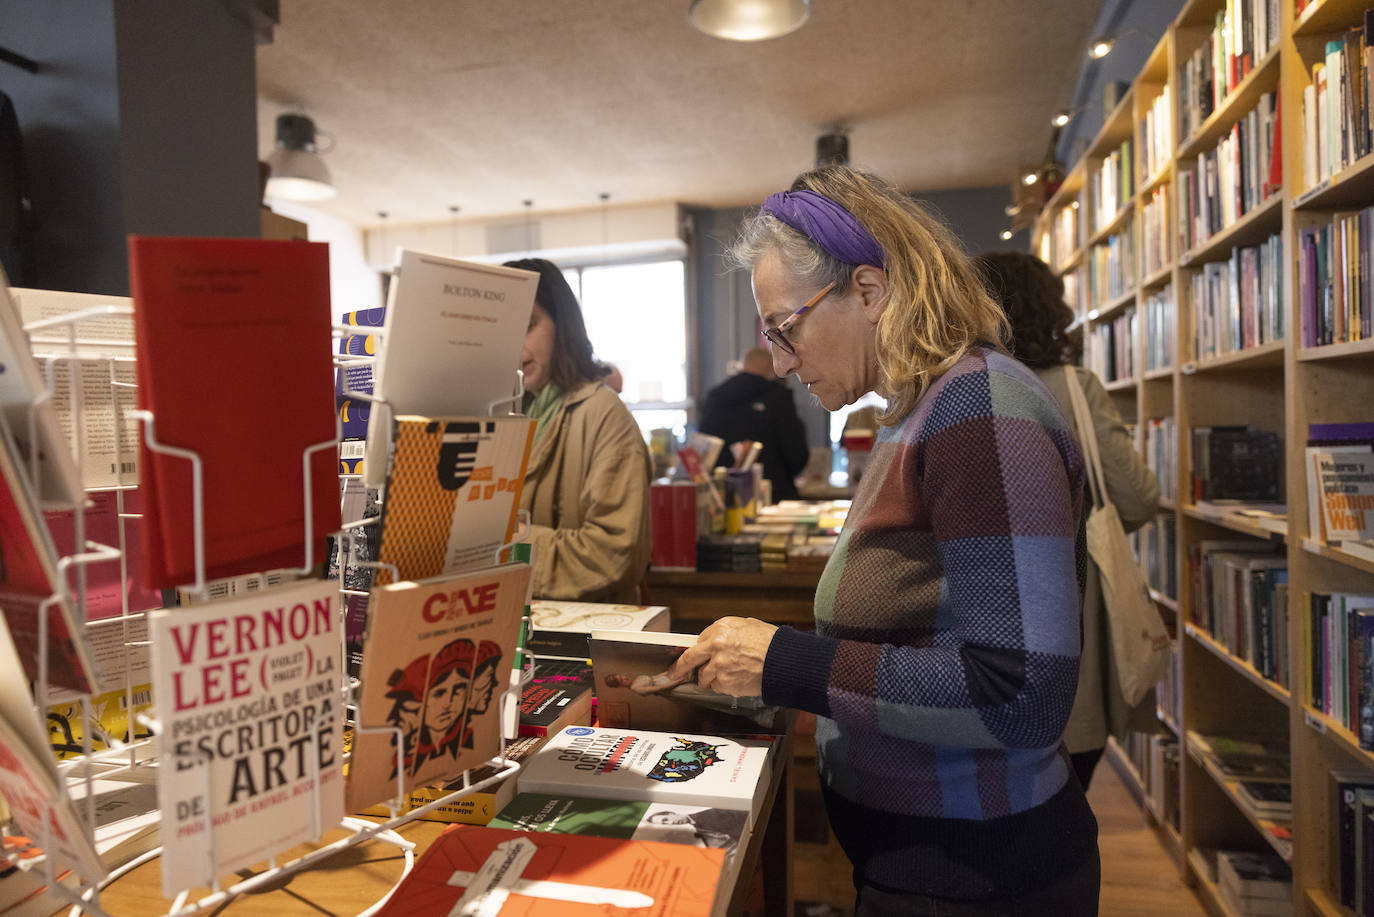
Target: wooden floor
[1139, 879]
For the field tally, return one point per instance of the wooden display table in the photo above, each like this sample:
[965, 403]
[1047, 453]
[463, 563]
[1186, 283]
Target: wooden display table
[352, 880]
[696, 599]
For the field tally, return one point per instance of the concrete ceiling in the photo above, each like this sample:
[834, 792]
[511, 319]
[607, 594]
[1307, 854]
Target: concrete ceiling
[486, 103]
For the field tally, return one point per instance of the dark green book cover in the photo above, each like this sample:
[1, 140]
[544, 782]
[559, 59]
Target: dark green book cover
[637, 820]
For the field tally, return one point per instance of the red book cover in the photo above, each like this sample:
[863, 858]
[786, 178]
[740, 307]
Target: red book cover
[477, 870]
[661, 512]
[233, 339]
[685, 525]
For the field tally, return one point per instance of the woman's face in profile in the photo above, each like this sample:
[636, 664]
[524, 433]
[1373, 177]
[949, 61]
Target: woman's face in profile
[536, 357]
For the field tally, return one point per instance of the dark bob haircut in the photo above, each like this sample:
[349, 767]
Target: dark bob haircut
[572, 352]
[1033, 298]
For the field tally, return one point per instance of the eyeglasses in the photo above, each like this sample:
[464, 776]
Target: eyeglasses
[777, 336]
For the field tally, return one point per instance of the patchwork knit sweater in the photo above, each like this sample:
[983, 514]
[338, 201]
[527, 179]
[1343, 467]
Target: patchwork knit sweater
[945, 657]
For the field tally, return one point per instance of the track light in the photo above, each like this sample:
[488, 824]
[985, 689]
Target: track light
[1006, 235]
[1030, 178]
[1102, 45]
[1064, 116]
[749, 20]
[298, 172]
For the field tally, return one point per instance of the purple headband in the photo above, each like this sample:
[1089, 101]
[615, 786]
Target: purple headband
[826, 223]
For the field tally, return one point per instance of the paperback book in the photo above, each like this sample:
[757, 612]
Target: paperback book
[267, 304]
[562, 629]
[661, 767]
[489, 871]
[452, 494]
[436, 656]
[549, 704]
[251, 689]
[475, 807]
[697, 826]
[633, 690]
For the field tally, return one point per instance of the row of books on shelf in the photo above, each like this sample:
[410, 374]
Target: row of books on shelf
[1161, 454]
[1155, 759]
[1156, 137]
[1352, 815]
[1238, 464]
[1242, 35]
[1155, 544]
[1250, 884]
[1111, 267]
[1239, 303]
[1159, 309]
[1336, 104]
[1339, 464]
[1111, 185]
[1111, 347]
[1240, 597]
[1062, 237]
[1155, 232]
[1255, 771]
[1334, 298]
[1338, 637]
[1169, 691]
[1241, 173]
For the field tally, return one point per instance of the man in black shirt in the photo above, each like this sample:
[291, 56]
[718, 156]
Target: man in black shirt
[753, 405]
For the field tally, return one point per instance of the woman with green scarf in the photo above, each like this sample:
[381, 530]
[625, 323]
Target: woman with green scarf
[587, 487]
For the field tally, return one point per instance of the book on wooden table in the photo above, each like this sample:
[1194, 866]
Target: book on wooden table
[267, 304]
[452, 493]
[475, 807]
[697, 826]
[32, 419]
[681, 768]
[450, 346]
[493, 871]
[559, 694]
[250, 688]
[562, 630]
[634, 692]
[28, 578]
[437, 655]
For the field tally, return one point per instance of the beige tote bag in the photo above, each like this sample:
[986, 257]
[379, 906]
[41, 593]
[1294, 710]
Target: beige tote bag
[1140, 642]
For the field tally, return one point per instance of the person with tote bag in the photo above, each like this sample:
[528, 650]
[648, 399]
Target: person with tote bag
[1125, 646]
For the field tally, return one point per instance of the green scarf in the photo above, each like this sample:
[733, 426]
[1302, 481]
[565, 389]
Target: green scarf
[543, 407]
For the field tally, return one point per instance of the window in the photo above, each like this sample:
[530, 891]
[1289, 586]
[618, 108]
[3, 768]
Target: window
[636, 317]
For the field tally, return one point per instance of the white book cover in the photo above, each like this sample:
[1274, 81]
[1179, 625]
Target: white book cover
[436, 656]
[659, 766]
[1345, 488]
[249, 688]
[450, 345]
[561, 629]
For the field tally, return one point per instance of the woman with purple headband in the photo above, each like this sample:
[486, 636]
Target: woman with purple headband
[945, 656]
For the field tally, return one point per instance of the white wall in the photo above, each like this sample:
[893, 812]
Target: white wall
[353, 284]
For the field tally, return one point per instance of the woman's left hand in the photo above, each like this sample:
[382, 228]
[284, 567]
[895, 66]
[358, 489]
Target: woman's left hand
[731, 653]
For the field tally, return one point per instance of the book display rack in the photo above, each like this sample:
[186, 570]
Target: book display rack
[144, 749]
[1244, 333]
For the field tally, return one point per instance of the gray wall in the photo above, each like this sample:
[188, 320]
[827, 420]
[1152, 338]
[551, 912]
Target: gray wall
[141, 119]
[725, 320]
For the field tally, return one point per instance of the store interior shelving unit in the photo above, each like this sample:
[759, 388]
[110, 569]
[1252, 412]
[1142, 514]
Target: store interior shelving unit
[1279, 386]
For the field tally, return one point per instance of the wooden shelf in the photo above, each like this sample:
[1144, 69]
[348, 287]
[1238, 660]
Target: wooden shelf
[1167, 504]
[1154, 375]
[1112, 305]
[1347, 350]
[1236, 523]
[1326, 904]
[1335, 732]
[1116, 128]
[1265, 355]
[1256, 226]
[1158, 279]
[1232, 791]
[1312, 546]
[1263, 78]
[1162, 177]
[1068, 189]
[1162, 599]
[1245, 669]
[1120, 385]
[1352, 185]
[1329, 16]
[1114, 225]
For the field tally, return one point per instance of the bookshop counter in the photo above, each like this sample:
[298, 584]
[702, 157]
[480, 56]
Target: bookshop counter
[698, 598]
[354, 879]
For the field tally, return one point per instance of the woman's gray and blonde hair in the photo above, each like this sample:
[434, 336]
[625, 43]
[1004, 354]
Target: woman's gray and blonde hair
[937, 305]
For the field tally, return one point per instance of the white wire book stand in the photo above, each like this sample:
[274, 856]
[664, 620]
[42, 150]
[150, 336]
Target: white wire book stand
[133, 755]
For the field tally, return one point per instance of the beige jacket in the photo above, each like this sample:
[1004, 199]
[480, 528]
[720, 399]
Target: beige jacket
[587, 490]
[1099, 709]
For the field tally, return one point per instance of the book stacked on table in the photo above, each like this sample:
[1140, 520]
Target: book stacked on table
[773, 552]
[740, 553]
[560, 630]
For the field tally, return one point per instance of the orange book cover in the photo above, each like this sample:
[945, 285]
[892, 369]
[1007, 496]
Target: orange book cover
[234, 362]
[478, 870]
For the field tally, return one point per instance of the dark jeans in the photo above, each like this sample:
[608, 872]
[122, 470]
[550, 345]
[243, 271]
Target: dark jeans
[1073, 896]
[1084, 763]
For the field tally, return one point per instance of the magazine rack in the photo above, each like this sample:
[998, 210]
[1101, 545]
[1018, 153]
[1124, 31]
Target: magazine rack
[122, 757]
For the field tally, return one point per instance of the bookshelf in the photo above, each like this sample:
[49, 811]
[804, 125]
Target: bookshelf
[1277, 383]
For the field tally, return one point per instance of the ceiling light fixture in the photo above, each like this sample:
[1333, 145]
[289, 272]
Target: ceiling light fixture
[1030, 178]
[298, 172]
[749, 20]
[1006, 235]
[1102, 45]
[1064, 116]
